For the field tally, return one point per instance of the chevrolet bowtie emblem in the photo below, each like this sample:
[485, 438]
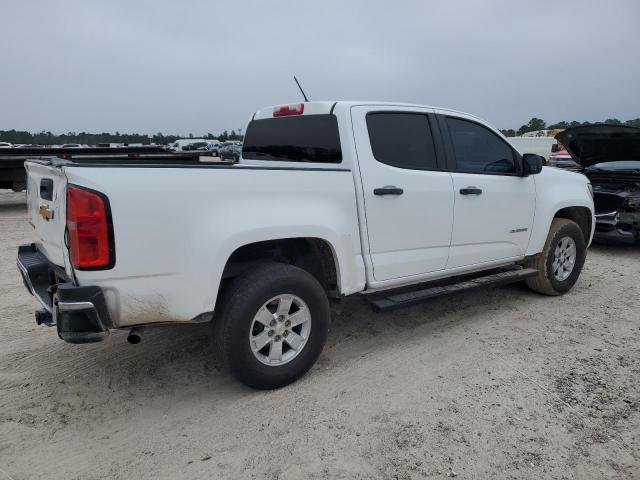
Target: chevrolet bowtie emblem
[45, 213]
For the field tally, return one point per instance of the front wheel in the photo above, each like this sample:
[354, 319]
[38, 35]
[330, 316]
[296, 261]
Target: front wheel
[272, 325]
[560, 262]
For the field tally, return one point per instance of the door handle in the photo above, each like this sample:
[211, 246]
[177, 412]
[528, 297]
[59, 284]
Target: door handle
[471, 191]
[388, 190]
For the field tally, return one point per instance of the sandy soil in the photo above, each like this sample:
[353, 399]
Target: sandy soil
[494, 384]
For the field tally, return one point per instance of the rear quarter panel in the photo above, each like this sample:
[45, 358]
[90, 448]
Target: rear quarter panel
[175, 228]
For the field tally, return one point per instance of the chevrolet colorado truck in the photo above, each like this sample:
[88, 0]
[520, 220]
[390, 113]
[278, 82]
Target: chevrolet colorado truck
[400, 202]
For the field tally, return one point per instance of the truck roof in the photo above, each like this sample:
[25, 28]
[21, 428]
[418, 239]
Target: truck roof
[328, 106]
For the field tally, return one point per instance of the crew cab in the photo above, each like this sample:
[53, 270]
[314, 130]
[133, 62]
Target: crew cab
[402, 203]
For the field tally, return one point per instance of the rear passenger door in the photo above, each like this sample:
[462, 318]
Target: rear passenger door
[408, 198]
[494, 204]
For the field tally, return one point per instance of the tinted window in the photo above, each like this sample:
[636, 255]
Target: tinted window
[304, 138]
[479, 150]
[402, 139]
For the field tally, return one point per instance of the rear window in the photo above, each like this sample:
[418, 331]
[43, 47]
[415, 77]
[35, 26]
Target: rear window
[304, 138]
[402, 140]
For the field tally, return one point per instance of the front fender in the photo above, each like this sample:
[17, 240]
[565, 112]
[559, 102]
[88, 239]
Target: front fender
[555, 190]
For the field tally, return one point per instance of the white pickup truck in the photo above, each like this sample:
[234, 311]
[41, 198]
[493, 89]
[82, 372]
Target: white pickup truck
[329, 199]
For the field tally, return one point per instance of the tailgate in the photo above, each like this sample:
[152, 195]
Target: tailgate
[46, 203]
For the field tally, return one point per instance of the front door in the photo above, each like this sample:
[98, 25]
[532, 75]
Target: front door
[494, 205]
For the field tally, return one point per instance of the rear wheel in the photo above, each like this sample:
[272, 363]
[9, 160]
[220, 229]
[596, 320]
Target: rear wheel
[560, 262]
[272, 325]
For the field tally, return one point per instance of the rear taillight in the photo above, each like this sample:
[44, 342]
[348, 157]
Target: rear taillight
[89, 227]
[288, 110]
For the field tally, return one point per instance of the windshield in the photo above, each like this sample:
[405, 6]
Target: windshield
[303, 138]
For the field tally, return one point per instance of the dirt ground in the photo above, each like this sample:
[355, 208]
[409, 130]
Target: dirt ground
[502, 383]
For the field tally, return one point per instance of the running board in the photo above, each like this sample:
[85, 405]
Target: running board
[399, 300]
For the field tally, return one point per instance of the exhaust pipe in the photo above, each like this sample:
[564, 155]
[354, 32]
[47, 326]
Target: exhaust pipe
[43, 317]
[135, 336]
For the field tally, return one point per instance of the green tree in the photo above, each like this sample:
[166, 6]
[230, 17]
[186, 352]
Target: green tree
[533, 125]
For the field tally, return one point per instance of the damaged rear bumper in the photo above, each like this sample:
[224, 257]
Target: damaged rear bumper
[79, 314]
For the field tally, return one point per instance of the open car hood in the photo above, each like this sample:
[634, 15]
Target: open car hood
[593, 144]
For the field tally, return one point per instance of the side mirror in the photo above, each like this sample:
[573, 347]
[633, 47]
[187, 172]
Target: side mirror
[555, 148]
[532, 164]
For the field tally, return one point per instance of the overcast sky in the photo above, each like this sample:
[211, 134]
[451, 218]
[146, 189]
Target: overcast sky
[205, 66]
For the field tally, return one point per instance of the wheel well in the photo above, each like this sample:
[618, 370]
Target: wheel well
[580, 215]
[311, 254]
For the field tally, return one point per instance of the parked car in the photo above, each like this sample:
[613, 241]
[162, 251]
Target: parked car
[216, 148]
[231, 152]
[562, 159]
[610, 157]
[211, 148]
[202, 146]
[326, 203]
[180, 144]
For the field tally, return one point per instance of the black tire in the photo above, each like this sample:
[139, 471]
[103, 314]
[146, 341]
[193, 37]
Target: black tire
[545, 282]
[240, 303]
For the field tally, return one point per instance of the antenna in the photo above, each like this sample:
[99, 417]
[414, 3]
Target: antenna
[302, 91]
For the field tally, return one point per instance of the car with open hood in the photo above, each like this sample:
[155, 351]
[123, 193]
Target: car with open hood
[609, 156]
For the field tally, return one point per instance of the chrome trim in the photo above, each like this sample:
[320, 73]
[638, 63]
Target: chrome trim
[606, 214]
[25, 276]
[75, 306]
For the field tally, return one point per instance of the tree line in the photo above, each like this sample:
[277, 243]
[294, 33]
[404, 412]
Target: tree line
[536, 124]
[48, 138]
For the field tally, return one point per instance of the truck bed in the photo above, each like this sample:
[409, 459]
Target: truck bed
[13, 175]
[179, 222]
